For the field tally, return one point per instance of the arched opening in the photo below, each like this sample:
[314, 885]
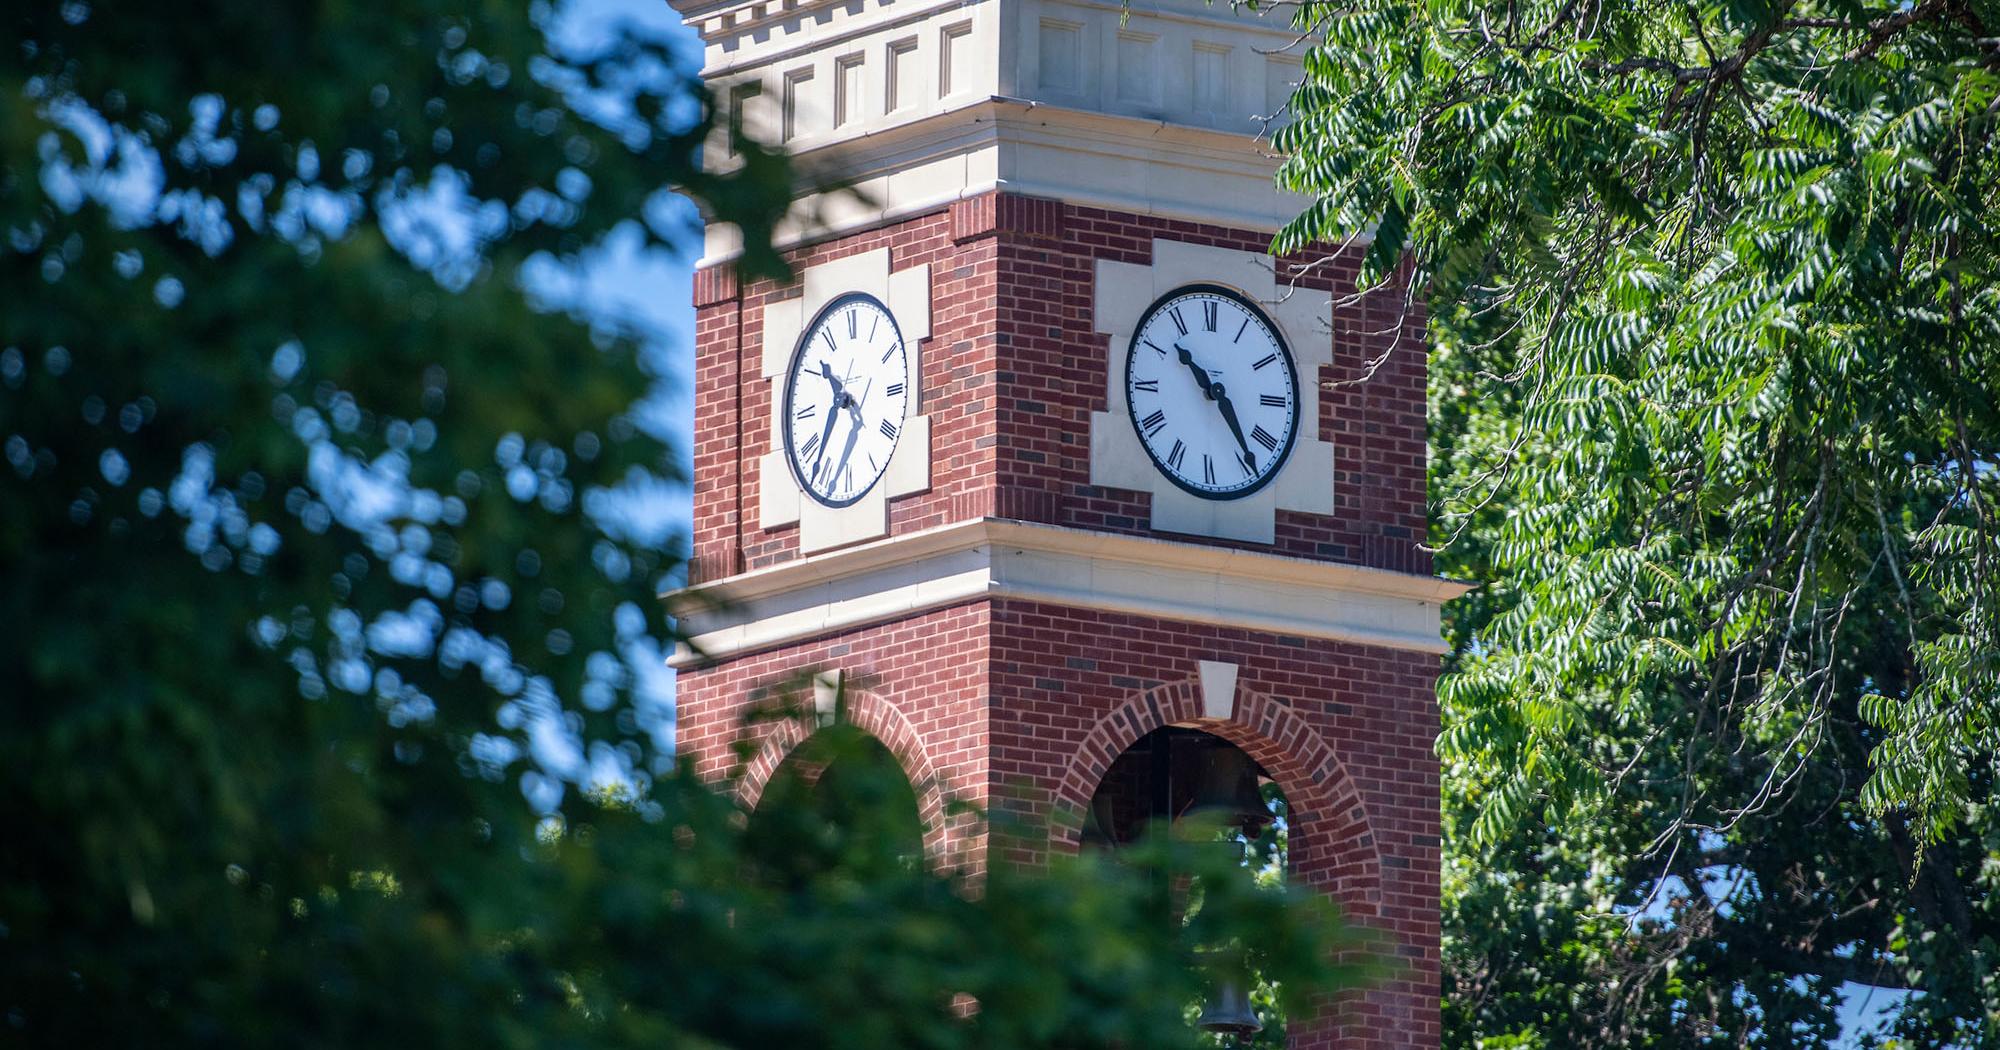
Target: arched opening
[839, 802]
[1186, 781]
[1173, 772]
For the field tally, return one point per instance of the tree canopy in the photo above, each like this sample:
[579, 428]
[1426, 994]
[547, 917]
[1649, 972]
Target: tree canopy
[323, 718]
[1714, 416]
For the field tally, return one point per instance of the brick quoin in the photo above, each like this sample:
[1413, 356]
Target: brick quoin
[1019, 706]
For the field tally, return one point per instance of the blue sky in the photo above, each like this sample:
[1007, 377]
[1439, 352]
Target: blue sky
[619, 281]
[648, 288]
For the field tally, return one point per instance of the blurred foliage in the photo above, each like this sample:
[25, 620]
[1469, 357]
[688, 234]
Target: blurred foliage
[1267, 857]
[1716, 349]
[324, 716]
[839, 769]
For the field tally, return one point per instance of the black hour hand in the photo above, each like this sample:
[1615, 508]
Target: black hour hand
[1215, 393]
[839, 391]
[1200, 373]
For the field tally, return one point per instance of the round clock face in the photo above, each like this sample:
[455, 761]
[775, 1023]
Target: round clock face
[1213, 392]
[846, 398]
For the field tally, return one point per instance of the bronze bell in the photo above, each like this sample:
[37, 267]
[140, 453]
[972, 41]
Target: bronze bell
[1225, 787]
[1228, 1012]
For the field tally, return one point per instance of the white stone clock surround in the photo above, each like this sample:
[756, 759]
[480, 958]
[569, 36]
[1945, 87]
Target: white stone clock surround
[1117, 460]
[907, 294]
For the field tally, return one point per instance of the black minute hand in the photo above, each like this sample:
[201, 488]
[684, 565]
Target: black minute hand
[840, 400]
[1215, 393]
[1229, 417]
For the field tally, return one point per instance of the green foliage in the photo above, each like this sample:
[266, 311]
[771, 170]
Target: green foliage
[1716, 338]
[311, 552]
[1267, 857]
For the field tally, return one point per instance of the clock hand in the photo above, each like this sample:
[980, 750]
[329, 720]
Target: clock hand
[854, 403]
[839, 391]
[1214, 391]
[1236, 428]
[853, 434]
[853, 407]
[1200, 373]
[832, 414]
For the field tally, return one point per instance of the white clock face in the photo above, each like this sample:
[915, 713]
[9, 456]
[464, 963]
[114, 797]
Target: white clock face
[1213, 392]
[847, 398]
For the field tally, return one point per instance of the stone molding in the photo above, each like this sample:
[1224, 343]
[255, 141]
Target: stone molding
[1119, 163]
[988, 558]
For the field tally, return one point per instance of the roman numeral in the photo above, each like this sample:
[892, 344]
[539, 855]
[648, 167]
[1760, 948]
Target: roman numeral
[853, 324]
[806, 412]
[806, 450]
[1179, 453]
[894, 348]
[1178, 323]
[1271, 400]
[1262, 361]
[1264, 438]
[889, 430]
[894, 390]
[1208, 469]
[1156, 348]
[877, 323]
[1240, 331]
[1208, 312]
[1152, 424]
[831, 346]
[1151, 386]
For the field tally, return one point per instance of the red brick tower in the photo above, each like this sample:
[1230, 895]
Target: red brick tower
[1046, 448]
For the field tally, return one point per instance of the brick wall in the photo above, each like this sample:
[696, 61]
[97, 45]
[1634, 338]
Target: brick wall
[1345, 730]
[733, 400]
[1054, 365]
[919, 685]
[1013, 370]
[1021, 707]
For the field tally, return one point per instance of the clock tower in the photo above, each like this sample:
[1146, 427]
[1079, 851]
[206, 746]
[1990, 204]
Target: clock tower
[1047, 451]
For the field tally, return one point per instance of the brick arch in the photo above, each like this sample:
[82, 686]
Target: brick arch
[1332, 842]
[878, 718]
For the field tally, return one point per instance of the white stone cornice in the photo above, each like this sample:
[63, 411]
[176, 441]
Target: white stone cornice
[1000, 558]
[1107, 160]
[1156, 107]
[721, 21]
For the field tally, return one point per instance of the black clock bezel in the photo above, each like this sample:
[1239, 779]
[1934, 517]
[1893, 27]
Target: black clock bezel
[792, 378]
[1291, 369]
